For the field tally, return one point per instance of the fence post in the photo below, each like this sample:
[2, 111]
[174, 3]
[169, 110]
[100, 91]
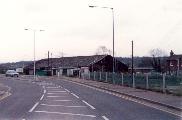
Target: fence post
[94, 75]
[163, 83]
[100, 76]
[122, 82]
[133, 77]
[106, 76]
[147, 81]
[83, 76]
[89, 76]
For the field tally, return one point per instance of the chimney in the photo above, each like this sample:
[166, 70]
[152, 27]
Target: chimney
[171, 53]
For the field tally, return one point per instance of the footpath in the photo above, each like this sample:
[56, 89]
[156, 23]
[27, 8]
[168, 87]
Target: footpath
[167, 100]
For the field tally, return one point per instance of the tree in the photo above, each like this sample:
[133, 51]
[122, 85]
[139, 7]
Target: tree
[158, 59]
[102, 50]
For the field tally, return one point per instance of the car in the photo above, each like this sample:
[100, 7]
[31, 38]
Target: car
[12, 73]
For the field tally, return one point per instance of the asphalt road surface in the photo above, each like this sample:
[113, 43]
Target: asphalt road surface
[63, 100]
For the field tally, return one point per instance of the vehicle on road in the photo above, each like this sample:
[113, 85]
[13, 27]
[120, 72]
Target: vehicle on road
[12, 73]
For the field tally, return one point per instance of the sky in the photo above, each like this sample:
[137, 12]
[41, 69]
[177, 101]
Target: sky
[71, 28]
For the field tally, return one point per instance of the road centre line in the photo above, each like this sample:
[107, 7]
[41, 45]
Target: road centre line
[63, 106]
[36, 104]
[75, 95]
[72, 114]
[105, 118]
[88, 104]
[42, 97]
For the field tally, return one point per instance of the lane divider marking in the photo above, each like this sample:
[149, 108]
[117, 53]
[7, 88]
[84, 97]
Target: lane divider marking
[56, 93]
[75, 95]
[67, 90]
[88, 104]
[105, 118]
[42, 97]
[72, 114]
[36, 104]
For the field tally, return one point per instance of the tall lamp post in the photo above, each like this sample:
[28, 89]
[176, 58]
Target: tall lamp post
[112, 9]
[34, 31]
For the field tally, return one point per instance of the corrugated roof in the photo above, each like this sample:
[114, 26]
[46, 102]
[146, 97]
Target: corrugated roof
[69, 61]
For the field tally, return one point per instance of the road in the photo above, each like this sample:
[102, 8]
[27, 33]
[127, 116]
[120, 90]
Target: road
[61, 99]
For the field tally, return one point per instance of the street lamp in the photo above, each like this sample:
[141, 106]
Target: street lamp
[34, 30]
[112, 9]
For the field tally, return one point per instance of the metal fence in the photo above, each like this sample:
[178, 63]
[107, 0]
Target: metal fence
[156, 82]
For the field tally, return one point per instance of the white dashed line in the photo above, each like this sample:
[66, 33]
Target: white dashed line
[75, 95]
[63, 106]
[105, 118]
[36, 104]
[67, 90]
[42, 97]
[72, 114]
[44, 91]
[88, 104]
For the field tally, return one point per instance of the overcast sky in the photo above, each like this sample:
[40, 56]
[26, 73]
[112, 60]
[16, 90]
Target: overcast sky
[75, 29]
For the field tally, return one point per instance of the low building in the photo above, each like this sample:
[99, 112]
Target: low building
[72, 66]
[141, 70]
[174, 63]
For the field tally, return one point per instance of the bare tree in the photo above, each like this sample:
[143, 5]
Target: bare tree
[102, 50]
[158, 61]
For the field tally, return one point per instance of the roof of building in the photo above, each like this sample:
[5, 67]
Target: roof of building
[174, 57]
[78, 61]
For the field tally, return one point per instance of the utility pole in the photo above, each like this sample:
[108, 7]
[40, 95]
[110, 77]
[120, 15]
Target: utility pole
[132, 71]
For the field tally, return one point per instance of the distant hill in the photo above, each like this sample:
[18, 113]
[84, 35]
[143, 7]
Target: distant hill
[13, 65]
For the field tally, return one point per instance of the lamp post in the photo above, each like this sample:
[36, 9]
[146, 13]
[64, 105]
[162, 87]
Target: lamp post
[34, 31]
[112, 9]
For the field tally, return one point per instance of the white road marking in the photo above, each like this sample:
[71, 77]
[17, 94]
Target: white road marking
[62, 100]
[36, 104]
[75, 95]
[42, 97]
[44, 91]
[67, 90]
[57, 91]
[72, 114]
[88, 104]
[63, 106]
[125, 98]
[52, 87]
[105, 118]
[56, 96]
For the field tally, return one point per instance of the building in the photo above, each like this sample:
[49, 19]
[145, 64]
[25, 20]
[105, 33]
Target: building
[174, 64]
[72, 66]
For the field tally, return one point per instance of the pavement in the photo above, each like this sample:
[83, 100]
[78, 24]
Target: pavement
[167, 100]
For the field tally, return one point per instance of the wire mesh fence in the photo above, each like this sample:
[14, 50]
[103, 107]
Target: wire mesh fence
[156, 82]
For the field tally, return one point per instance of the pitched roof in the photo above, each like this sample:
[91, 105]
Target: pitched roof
[81, 61]
[174, 57]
